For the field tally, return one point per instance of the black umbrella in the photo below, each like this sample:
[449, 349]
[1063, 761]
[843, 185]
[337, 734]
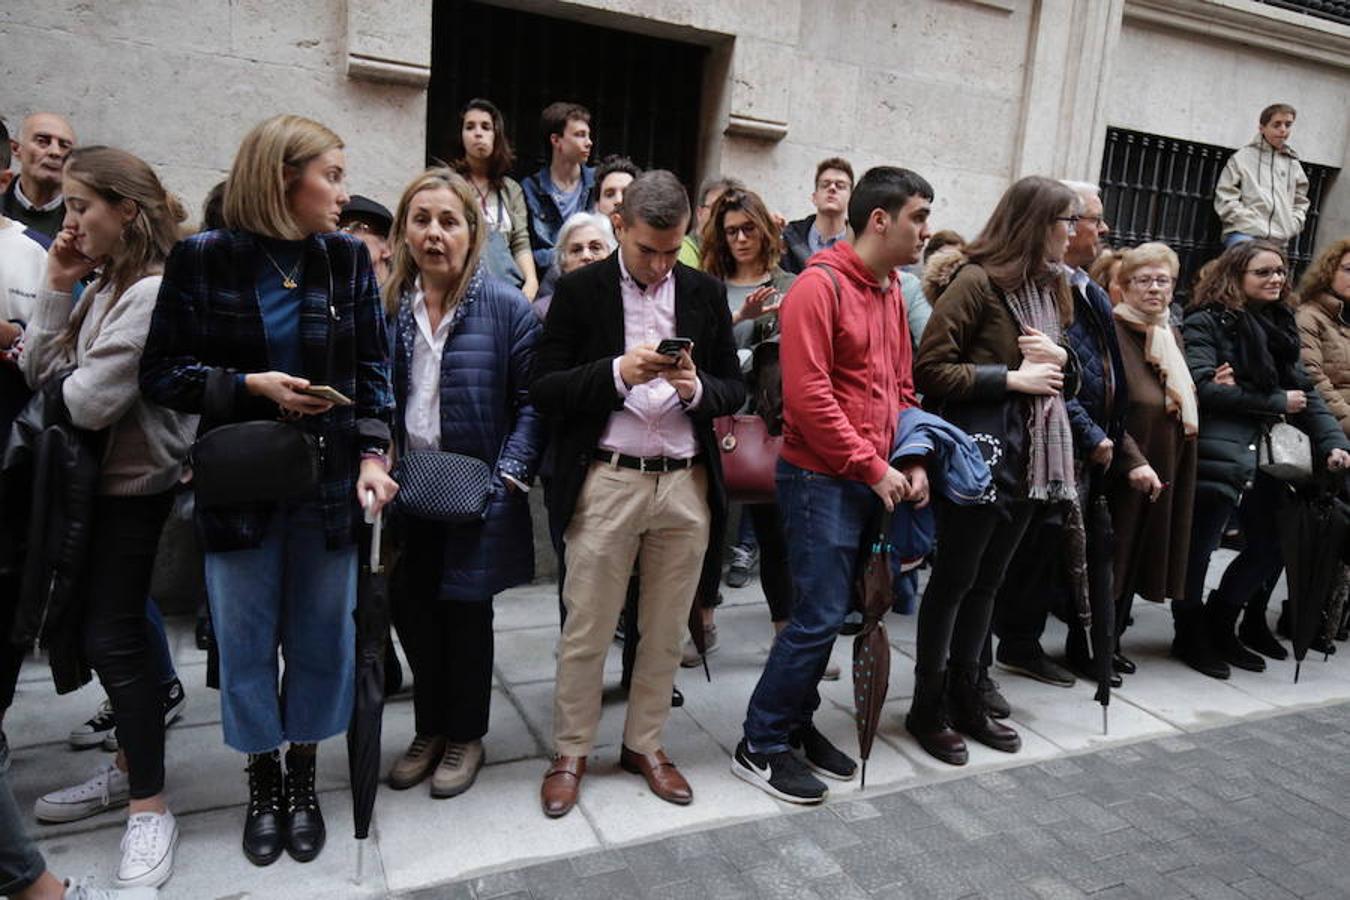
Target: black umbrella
[871, 648]
[363, 734]
[1313, 529]
[1101, 599]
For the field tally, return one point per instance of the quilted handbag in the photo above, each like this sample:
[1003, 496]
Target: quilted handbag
[1285, 452]
[749, 458]
[254, 462]
[442, 487]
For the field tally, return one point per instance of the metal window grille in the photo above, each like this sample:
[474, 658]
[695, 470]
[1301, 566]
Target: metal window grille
[1331, 10]
[1157, 188]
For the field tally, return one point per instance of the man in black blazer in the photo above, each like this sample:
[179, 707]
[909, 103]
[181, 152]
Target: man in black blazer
[637, 475]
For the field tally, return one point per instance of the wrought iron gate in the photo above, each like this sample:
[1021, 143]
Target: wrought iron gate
[1156, 188]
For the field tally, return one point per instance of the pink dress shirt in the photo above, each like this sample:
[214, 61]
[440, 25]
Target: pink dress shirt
[653, 421]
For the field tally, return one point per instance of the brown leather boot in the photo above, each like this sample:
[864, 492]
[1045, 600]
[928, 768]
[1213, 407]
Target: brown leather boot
[562, 785]
[928, 722]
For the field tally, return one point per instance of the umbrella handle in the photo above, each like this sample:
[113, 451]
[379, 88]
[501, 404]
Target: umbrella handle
[376, 520]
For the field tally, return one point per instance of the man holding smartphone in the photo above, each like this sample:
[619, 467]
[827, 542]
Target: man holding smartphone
[636, 360]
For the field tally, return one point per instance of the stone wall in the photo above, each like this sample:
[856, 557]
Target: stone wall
[179, 83]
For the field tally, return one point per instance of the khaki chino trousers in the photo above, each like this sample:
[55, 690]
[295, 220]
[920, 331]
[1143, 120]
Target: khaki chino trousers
[622, 516]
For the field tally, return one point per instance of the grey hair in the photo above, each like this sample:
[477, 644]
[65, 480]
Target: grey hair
[718, 183]
[582, 220]
[1084, 189]
[657, 198]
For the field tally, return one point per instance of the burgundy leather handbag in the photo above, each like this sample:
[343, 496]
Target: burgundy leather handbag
[749, 458]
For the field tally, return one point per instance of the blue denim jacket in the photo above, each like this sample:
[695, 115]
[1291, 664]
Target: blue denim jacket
[546, 219]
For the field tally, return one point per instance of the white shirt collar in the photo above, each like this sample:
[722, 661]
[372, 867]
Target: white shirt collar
[624, 276]
[1077, 277]
[30, 205]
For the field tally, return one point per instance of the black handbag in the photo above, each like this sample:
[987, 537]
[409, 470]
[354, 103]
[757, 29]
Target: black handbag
[999, 430]
[442, 487]
[254, 462]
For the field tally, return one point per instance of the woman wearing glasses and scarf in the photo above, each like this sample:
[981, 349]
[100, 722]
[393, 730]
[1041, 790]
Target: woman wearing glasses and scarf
[1240, 315]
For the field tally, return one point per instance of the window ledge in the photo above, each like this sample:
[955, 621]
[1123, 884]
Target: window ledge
[1259, 25]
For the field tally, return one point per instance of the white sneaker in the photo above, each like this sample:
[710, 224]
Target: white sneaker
[109, 788]
[84, 889]
[95, 730]
[147, 850]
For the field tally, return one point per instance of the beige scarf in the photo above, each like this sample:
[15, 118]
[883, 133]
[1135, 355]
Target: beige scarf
[1161, 350]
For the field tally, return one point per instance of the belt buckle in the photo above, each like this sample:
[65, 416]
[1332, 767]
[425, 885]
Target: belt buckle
[642, 464]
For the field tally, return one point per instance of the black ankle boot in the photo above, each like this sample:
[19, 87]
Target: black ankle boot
[970, 715]
[306, 833]
[1256, 634]
[998, 705]
[1192, 645]
[265, 821]
[928, 722]
[1221, 622]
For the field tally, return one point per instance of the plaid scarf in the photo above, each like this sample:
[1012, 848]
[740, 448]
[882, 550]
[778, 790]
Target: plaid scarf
[1050, 473]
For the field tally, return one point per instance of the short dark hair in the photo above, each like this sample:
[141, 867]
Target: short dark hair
[213, 208]
[6, 152]
[657, 198]
[837, 163]
[503, 157]
[1274, 110]
[887, 188]
[614, 163]
[553, 120]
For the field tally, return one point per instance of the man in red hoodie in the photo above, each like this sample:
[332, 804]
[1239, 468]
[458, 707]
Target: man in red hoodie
[846, 360]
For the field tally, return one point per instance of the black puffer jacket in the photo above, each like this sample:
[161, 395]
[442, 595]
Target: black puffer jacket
[1232, 417]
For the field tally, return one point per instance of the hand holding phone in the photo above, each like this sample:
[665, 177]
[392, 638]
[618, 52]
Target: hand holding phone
[324, 392]
[673, 347]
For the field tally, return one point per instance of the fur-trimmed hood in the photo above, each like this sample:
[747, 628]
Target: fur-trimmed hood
[940, 270]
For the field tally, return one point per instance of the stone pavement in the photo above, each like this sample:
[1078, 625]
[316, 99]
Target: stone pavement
[419, 843]
[1255, 810]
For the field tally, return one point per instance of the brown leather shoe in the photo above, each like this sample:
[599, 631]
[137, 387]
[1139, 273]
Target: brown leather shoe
[662, 777]
[417, 762]
[562, 785]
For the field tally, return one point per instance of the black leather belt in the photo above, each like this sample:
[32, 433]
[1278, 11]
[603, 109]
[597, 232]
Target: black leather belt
[657, 464]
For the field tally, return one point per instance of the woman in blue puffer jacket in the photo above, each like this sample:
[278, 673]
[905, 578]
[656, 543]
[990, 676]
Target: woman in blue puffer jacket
[464, 343]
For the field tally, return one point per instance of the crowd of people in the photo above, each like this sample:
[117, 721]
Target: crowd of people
[308, 360]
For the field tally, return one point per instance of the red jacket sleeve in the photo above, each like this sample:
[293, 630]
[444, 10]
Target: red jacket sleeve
[809, 403]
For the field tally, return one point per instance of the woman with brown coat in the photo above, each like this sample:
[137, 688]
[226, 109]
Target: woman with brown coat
[1324, 328]
[1152, 533]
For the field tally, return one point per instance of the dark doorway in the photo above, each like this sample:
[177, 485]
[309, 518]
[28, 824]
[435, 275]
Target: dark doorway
[1156, 188]
[644, 93]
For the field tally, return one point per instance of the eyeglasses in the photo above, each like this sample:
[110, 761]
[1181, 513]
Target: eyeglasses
[839, 185]
[1147, 281]
[1072, 220]
[358, 227]
[1269, 272]
[1100, 220]
[749, 229]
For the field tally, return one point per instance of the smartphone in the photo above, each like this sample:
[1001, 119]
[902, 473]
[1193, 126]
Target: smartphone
[673, 346]
[324, 392]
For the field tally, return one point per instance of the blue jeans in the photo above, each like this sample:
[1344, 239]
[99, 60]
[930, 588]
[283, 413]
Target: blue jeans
[21, 864]
[294, 593]
[825, 520]
[1236, 237]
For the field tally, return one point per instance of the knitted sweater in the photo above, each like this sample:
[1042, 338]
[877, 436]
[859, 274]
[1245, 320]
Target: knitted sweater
[147, 443]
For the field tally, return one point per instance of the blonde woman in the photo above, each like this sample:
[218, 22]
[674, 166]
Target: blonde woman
[463, 348]
[249, 319]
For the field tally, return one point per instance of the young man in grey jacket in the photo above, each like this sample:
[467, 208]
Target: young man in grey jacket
[1262, 192]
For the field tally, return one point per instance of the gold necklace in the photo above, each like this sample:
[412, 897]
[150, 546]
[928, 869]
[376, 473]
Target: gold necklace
[287, 280]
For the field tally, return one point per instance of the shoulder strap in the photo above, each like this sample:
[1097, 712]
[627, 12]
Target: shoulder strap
[834, 280]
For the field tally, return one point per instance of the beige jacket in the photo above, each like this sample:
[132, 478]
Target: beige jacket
[1262, 192]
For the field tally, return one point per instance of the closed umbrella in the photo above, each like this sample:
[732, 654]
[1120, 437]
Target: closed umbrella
[871, 646]
[363, 734]
[1101, 600]
[1313, 529]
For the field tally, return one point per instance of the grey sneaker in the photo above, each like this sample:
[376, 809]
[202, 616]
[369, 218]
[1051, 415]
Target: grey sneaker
[691, 656]
[458, 769]
[417, 762]
[743, 560]
[84, 889]
[109, 788]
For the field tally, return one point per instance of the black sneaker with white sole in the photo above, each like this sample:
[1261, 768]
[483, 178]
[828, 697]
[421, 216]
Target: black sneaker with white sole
[94, 731]
[820, 755]
[780, 775]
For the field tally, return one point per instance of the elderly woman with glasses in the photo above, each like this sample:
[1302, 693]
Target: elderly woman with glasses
[1240, 315]
[1153, 529]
